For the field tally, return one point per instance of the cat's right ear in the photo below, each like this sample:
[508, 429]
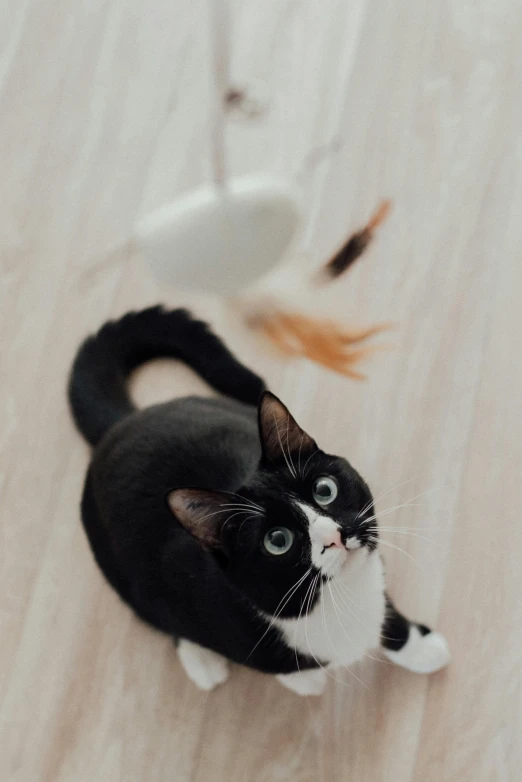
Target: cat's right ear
[281, 436]
[203, 513]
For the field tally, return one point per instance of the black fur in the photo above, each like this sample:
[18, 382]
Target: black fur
[396, 628]
[209, 590]
[97, 389]
[348, 254]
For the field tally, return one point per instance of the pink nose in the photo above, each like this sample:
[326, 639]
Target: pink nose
[332, 539]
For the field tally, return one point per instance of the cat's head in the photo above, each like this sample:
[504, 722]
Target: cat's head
[304, 513]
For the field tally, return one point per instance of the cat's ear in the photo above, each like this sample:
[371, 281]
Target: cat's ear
[282, 439]
[202, 513]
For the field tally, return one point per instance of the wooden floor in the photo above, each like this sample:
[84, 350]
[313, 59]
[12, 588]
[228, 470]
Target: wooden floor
[102, 117]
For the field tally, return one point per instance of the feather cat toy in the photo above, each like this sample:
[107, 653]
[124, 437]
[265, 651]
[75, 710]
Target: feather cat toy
[320, 340]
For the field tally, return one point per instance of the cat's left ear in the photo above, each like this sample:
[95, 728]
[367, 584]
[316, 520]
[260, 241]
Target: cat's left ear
[282, 439]
[203, 513]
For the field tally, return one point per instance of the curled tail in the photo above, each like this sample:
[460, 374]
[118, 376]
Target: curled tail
[98, 392]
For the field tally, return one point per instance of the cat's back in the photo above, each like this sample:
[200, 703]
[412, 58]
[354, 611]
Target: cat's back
[192, 441]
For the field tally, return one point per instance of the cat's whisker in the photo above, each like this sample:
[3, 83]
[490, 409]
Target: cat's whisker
[327, 672]
[409, 503]
[245, 499]
[326, 626]
[397, 548]
[350, 598]
[244, 507]
[305, 471]
[350, 640]
[295, 639]
[416, 497]
[288, 445]
[282, 449]
[291, 468]
[337, 587]
[237, 513]
[426, 528]
[310, 585]
[247, 510]
[293, 589]
[324, 619]
[304, 600]
[342, 595]
[248, 518]
[216, 512]
[299, 459]
[310, 598]
[227, 506]
[209, 515]
[376, 499]
[299, 671]
[251, 508]
[382, 530]
[390, 510]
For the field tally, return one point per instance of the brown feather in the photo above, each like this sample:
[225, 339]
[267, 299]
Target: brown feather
[356, 244]
[322, 341]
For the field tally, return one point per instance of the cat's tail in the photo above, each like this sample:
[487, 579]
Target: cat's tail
[98, 392]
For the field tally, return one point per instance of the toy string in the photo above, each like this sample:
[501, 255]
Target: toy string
[219, 34]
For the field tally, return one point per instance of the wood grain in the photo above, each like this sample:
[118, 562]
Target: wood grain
[103, 117]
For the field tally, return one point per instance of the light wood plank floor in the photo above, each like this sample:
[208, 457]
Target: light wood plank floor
[102, 117]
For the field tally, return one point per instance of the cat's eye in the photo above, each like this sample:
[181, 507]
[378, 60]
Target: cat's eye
[278, 540]
[325, 490]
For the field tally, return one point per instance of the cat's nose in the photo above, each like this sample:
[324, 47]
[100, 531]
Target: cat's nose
[332, 539]
[326, 533]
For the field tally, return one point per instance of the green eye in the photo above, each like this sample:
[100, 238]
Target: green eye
[325, 490]
[278, 540]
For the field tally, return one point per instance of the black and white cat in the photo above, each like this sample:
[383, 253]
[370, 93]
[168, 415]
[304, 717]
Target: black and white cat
[221, 522]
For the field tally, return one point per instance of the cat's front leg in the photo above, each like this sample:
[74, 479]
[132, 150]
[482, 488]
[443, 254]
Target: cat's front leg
[309, 682]
[412, 646]
[204, 667]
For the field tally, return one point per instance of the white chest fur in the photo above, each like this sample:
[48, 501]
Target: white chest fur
[347, 619]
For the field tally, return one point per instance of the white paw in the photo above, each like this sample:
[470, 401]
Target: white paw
[421, 653]
[204, 667]
[311, 682]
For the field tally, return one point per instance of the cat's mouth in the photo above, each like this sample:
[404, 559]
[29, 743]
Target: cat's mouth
[330, 545]
[335, 558]
[348, 547]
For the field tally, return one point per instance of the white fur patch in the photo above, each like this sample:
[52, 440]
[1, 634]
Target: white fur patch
[204, 667]
[311, 682]
[347, 619]
[320, 529]
[421, 653]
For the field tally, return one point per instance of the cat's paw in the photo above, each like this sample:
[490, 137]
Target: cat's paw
[311, 682]
[204, 667]
[425, 651]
